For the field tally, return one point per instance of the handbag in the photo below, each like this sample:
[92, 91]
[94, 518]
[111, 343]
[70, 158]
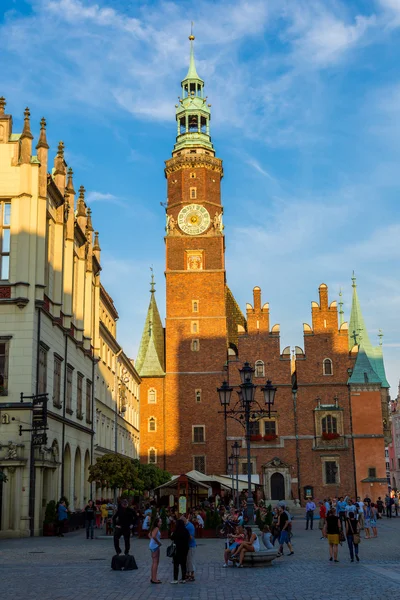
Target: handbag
[171, 550]
[342, 537]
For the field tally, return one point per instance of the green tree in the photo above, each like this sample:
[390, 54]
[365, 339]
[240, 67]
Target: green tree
[116, 472]
[151, 476]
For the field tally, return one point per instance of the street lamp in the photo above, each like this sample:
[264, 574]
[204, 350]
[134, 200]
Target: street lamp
[246, 408]
[236, 454]
[231, 472]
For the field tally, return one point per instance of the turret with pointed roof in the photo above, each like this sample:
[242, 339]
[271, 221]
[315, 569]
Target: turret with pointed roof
[193, 113]
[150, 360]
[369, 367]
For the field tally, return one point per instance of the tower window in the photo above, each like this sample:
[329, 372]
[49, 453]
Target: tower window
[195, 346]
[152, 456]
[199, 434]
[152, 424]
[198, 395]
[372, 472]
[199, 463]
[192, 175]
[327, 366]
[195, 306]
[195, 327]
[260, 370]
[152, 396]
[193, 193]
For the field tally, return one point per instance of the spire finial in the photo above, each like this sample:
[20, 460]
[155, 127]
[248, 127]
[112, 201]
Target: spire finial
[341, 312]
[354, 280]
[26, 132]
[89, 226]
[81, 208]
[152, 282]
[60, 150]
[96, 244]
[380, 336]
[2, 105]
[70, 182]
[42, 143]
[191, 36]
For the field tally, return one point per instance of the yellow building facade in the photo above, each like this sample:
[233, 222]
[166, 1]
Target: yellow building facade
[53, 330]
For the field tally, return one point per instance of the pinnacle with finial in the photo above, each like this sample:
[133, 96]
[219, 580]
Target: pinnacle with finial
[89, 225]
[81, 208]
[354, 280]
[380, 336]
[60, 150]
[70, 183]
[96, 245]
[26, 132]
[2, 105]
[42, 143]
[152, 283]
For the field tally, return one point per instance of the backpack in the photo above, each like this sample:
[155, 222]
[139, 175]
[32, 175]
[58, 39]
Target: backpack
[123, 562]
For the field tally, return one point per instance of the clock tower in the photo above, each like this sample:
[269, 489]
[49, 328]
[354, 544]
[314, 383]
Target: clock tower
[196, 323]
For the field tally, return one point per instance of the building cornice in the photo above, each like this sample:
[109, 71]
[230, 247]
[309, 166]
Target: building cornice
[193, 161]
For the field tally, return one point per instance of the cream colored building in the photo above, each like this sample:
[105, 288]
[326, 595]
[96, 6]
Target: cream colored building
[52, 329]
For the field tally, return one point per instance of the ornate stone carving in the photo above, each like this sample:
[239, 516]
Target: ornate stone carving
[217, 223]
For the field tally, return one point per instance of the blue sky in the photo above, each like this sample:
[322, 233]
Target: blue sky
[305, 101]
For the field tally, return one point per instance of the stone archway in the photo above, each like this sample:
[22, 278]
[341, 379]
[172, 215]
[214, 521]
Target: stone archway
[277, 484]
[277, 480]
[77, 498]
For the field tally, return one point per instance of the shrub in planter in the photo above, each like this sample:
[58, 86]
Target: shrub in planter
[256, 438]
[270, 437]
[330, 436]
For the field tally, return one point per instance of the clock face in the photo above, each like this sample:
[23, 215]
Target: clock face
[194, 219]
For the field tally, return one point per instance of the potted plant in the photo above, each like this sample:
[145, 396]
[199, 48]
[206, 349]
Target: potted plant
[50, 518]
[329, 436]
[270, 437]
[256, 438]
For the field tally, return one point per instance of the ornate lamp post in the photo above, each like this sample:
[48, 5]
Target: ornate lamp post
[245, 409]
[236, 454]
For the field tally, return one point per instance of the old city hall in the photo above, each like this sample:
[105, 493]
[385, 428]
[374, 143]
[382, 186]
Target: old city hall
[327, 431]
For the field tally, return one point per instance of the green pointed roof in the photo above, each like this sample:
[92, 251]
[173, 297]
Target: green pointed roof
[150, 359]
[369, 366]
[192, 74]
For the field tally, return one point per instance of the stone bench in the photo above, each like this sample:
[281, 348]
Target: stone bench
[263, 558]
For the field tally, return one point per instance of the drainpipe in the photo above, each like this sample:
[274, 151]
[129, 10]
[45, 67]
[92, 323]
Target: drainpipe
[32, 473]
[63, 423]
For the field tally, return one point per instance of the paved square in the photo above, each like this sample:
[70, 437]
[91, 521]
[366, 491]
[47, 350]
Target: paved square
[75, 568]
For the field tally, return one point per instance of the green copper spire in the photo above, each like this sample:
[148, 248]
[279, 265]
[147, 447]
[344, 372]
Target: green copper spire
[193, 112]
[369, 366]
[150, 359]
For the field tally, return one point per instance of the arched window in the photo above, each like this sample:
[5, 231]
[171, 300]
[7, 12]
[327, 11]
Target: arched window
[329, 424]
[260, 369]
[327, 366]
[152, 424]
[195, 345]
[152, 456]
[152, 396]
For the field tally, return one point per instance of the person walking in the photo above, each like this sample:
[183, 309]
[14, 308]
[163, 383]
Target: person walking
[396, 505]
[332, 531]
[180, 537]
[284, 525]
[367, 520]
[380, 507]
[310, 507]
[190, 566]
[341, 509]
[388, 505]
[360, 512]
[123, 521]
[90, 512]
[62, 516]
[104, 513]
[322, 518]
[353, 536]
[154, 545]
[374, 518]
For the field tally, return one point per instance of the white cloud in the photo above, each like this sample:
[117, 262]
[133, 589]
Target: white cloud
[256, 165]
[93, 196]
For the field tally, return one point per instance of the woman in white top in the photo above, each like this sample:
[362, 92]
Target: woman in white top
[266, 538]
[154, 545]
[251, 544]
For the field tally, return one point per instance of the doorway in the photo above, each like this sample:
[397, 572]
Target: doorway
[277, 486]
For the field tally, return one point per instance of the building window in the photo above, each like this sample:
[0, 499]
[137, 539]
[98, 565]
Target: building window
[57, 382]
[329, 424]
[79, 392]
[198, 434]
[88, 401]
[152, 424]
[254, 427]
[4, 348]
[68, 391]
[152, 396]
[327, 367]
[42, 387]
[260, 370]
[195, 306]
[193, 193]
[270, 427]
[195, 345]
[199, 464]
[5, 220]
[152, 456]
[198, 395]
[372, 472]
[331, 471]
[245, 470]
[192, 175]
[194, 327]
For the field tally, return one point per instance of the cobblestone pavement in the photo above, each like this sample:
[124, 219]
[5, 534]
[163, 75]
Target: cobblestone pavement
[75, 568]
